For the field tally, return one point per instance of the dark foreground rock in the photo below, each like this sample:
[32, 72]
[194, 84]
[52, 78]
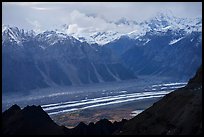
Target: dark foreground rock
[179, 112]
[33, 120]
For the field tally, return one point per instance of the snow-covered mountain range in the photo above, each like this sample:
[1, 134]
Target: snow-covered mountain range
[163, 22]
[160, 23]
[163, 46]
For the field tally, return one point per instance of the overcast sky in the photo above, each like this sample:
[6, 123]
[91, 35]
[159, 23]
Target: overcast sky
[42, 15]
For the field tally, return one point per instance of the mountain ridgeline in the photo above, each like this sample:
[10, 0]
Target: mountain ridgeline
[177, 113]
[66, 62]
[32, 120]
[165, 46]
[156, 54]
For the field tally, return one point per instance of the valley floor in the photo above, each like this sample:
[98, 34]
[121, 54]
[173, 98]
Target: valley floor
[89, 103]
[112, 113]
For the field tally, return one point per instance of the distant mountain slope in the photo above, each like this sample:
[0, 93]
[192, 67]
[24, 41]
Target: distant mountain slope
[53, 59]
[178, 113]
[174, 54]
[162, 22]
[164, 45]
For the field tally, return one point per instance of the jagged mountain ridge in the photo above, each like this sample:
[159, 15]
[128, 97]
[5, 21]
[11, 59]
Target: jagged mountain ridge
[32, 120]
[164, 46]
[52, 59]
[166, 53]
[162, 22]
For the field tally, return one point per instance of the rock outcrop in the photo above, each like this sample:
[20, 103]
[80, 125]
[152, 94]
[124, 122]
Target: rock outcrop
[178, 113]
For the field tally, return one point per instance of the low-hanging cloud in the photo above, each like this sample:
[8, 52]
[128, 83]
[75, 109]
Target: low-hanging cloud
[84, 23]
[73, 28]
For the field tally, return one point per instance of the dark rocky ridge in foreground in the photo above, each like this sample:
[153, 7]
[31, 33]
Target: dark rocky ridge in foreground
[32, 120]
[179, 112]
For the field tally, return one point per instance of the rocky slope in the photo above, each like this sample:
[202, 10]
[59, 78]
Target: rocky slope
[53, 59]
[164, 45]
[32, 120]
[178, 113]
[172, 53]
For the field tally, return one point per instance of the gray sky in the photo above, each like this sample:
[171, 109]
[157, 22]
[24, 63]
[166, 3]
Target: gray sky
[42, 15]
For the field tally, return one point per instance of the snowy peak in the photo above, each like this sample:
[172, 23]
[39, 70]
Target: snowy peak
[4, 27]
[49, 38]
[160, 24]
[15, 35]
[100, 38]
[166, 21]
[11, 34]
[103, 38]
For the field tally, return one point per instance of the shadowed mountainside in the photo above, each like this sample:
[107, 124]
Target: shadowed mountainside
[178, 113]
[32, 120]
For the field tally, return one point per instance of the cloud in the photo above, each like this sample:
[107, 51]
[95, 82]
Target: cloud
[90, 16]
[36, 25]
[24, 3]
[73, 28]
[85, 23]
[43, 8]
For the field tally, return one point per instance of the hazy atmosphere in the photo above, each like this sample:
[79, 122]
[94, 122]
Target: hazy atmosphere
[42, 16]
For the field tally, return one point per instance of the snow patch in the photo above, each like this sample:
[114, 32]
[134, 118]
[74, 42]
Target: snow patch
[175, 41]
[136, 112]
[123, 91]
[146, 42]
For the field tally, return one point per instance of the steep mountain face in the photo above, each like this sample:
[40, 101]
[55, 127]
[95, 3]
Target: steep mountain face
[162, 46]
[178, 113]
[156, 55]
[165, 46]
[55, 59]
